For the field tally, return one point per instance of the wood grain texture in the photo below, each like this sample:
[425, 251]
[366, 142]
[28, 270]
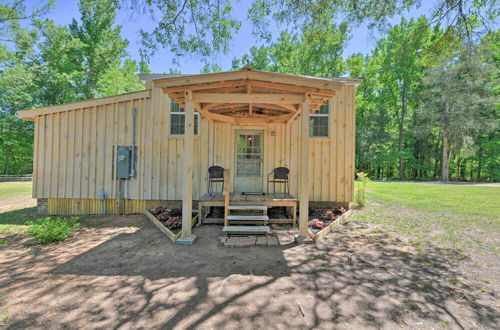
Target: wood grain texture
[75, 151]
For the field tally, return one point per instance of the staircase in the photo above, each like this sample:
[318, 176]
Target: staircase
[242, 220]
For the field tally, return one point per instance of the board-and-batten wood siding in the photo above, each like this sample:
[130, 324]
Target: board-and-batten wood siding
[75, 152]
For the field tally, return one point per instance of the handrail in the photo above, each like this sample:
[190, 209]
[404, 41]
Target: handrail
[227, 194]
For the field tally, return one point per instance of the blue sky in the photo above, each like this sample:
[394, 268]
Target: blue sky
[362, 40]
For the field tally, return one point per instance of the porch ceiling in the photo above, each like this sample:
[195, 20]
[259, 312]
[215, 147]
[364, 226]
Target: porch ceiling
[250, 95]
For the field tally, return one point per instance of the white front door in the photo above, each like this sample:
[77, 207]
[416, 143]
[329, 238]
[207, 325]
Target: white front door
[249, 150]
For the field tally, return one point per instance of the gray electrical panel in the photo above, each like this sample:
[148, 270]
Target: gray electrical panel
[125, 162]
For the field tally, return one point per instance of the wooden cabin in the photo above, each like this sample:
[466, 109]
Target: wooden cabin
[134, 151]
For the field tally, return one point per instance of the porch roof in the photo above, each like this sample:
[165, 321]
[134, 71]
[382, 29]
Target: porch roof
[249, 94]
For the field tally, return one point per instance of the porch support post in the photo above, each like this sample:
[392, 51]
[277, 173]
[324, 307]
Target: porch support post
[304, 174]
[187, 192]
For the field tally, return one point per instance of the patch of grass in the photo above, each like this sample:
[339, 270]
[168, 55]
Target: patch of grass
[460, 216]
[442, 323]
[14, 222]
[48, 230]
[16, 207]
[457, 199]
[413, 305]
[12, 189]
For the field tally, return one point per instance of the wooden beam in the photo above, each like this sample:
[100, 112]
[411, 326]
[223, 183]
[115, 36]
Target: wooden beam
[216, 116]
[31, 114]
[200, 79]
[288, 107]
[321, 83]
[292, 88]
[304, 171]
[262, 120]
[187, 191]
[210, 106]
[316, 82]
[202, 86]
[249, 91]
[227, 194]
[248, 98]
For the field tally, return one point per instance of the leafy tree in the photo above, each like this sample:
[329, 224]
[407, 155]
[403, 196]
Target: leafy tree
[317, 51]
[103, 47]
[187, 26]
[45, 64]
[62, 72]
[13, 12]
[461, 101]
[17, 91]
[210, 68]
[120, 79]
[207, 27]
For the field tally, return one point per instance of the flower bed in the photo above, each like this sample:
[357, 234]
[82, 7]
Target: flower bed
[169, 221]
[322, 222]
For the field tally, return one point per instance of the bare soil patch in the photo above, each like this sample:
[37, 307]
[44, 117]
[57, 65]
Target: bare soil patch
[16, 203]
[121, 272]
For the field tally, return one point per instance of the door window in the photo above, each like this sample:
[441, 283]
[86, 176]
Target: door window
[249, 155]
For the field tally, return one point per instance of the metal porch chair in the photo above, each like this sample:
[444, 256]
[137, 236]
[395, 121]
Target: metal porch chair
[279, 175]
[215, 175]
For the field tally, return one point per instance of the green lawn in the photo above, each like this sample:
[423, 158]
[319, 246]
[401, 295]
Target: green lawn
[461, 216]
[16, 207]
[13, 189]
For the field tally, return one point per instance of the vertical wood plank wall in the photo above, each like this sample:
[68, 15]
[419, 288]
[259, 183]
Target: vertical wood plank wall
[75, 152]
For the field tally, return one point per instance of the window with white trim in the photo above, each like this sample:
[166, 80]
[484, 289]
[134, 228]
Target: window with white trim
[177, 119]
[319, 121]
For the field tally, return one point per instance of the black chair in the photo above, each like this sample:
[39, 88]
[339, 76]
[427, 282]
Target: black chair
[215, 175]
[279, 175]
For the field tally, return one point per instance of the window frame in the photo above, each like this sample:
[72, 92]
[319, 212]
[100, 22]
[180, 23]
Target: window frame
[182, 113]
[320, 115]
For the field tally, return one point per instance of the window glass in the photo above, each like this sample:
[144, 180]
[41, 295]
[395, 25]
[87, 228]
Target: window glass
[177, 119]
[319, 122]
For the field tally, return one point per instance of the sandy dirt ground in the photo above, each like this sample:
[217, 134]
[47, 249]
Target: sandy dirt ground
[16, 202]
[122, 273]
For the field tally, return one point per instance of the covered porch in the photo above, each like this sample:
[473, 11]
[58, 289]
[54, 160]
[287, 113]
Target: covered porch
[248, 100]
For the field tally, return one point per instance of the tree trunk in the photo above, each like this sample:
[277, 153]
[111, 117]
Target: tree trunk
[445, 173]
[446, 161]
[6, 167]
[401, 134]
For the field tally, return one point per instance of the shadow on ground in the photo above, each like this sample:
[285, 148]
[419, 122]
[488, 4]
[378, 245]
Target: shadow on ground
[129, 275]
[18, 217]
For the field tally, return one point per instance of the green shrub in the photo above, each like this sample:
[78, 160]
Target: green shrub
[360, 191]
[46, 230]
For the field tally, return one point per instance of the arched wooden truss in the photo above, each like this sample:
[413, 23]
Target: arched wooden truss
[249, 96]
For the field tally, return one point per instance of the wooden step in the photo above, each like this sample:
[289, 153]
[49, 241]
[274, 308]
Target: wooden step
[248, 207]
[246, 230]
[248, 217]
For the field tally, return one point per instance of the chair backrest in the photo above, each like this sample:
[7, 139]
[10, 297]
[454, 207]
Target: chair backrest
[216, 172]
[281, 173]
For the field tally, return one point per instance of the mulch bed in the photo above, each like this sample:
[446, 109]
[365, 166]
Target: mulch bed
[170, 218]
[321, 218]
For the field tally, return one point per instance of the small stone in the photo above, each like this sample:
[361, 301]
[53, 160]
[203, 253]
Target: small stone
[261, 241]
[271, 241]
[230, 242]
[245, 242]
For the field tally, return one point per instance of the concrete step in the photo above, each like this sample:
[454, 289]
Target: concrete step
[248, 207]
[248, 217]
[246, 230]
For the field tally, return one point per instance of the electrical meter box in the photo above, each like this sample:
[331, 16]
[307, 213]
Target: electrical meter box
[125, 162]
